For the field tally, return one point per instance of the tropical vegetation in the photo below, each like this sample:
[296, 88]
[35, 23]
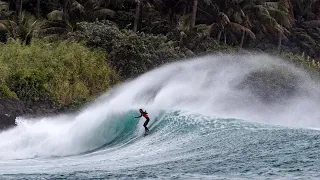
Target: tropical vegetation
[130, 37]
[57, 73]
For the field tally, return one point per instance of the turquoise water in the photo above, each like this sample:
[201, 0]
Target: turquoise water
[203, 126]
[183, 145]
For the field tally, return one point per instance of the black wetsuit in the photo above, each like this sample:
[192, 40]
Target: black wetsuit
[145, 114]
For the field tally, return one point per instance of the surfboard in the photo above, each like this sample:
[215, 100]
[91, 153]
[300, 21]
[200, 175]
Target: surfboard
[146, 133]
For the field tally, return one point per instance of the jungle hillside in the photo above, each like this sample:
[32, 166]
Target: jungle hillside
[59, 54]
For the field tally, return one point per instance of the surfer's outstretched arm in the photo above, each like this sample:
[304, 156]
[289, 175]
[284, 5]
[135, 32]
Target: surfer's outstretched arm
[139, 116]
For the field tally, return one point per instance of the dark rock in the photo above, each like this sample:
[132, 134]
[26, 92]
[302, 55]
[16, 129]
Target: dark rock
[41, 108]
[189, 53]
[7, 121]
[12, 107]
[9, 110]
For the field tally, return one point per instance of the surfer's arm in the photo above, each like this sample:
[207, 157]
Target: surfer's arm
[139, 116]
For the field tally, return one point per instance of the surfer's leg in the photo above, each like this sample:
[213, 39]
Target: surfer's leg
[145, 124]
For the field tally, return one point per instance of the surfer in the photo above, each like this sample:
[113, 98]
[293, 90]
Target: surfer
[145, 115]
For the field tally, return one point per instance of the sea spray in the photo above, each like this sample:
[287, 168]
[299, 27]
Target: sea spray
[223, 86]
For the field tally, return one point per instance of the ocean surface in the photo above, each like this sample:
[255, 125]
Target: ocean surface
[203, 126]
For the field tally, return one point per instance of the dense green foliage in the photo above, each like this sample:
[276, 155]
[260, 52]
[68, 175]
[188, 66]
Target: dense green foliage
[6, 92]
[134, 53]
[134, 36]
[129, 52]
[61, 71]
[300, 60]
[283, 24]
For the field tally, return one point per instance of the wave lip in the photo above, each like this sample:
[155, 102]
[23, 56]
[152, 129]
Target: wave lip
[63, 136]
[188, 143]
[224, 86]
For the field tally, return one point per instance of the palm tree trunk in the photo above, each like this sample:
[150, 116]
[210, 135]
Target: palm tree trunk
[279, 43]
[65, 10]
[137, 16]
[219, 36]
[18, 4]
[194, 13]
[291, 9]
[141, 15]
[242, 39]
[38, 9]
[19, 8]
[171, 18]
[225, 38]
[181, 40]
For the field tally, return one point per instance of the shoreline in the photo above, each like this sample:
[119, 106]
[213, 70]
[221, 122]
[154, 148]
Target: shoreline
[10, 109]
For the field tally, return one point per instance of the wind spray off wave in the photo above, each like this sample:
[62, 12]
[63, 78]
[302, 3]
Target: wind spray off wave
[257, 88]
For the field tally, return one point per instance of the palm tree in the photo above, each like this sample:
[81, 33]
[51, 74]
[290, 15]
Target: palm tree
[89, 10]
[60, 22]
[280, 19]
[38, 8]
[23, 31]
[286, 5]
[19, 4]
[239, 20]
[234, 20]
[304, 10]
[65, 10]
[267, 18]
[235, 27]
[137, 15]
[172, 9]
[78, 10]
[4, 10]
[195, 10]
[26, 28]
[194, 13]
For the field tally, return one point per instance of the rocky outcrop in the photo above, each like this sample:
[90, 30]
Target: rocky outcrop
[41, 107]
[7, 121]
[9, 110]
[12, 106]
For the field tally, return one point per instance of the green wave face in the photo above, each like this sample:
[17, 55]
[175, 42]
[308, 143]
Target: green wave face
[211, 116]
[189, 144]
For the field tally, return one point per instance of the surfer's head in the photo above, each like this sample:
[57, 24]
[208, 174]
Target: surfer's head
[140, 110]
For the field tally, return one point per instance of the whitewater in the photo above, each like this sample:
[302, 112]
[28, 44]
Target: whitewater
[212, 117]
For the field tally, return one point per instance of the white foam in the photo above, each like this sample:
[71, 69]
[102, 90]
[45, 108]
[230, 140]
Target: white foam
[204, 85]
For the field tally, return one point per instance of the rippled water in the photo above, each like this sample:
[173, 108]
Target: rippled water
[202, 127]
[183, 145]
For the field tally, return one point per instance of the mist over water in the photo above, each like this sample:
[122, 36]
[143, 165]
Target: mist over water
[218, 86]
[210, 85]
